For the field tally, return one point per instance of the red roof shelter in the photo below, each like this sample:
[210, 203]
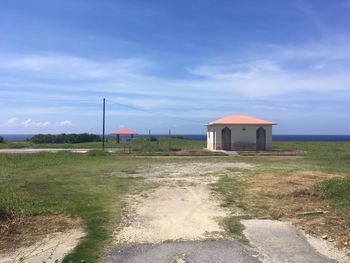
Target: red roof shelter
[124, 131]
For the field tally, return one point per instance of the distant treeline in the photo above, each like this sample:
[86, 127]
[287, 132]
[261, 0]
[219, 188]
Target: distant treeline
[65, 138]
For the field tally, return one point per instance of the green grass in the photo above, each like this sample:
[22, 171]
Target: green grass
[339, 191]
[235, 228]
[233, 190]
[68, 183]
[139, 145]
[333, 157]
[86, 145]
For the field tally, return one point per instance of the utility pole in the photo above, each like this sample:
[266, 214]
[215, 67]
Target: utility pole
[103, 124]
[169, 140]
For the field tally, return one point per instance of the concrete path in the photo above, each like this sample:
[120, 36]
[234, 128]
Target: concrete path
[279, 242]
[220, 251]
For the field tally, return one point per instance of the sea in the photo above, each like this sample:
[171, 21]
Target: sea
[203, 137]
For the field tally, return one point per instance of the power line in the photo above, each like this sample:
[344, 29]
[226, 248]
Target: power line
[153, 112]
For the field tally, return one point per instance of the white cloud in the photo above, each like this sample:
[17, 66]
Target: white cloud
[265, 75]
[13, 122]
[71, 67]
[31, 123]
[65, 123]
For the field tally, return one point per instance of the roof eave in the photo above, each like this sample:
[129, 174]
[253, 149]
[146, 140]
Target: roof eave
[211, 124]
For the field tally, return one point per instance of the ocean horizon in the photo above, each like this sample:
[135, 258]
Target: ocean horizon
[202, 137]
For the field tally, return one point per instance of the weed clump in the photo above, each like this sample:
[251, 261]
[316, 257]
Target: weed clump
[95, 153]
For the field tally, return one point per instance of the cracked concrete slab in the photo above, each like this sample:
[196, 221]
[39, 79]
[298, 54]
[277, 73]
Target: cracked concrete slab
[279, 242]
[219, 251]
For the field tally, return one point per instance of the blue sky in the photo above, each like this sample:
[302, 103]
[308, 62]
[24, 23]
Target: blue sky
[174, 64]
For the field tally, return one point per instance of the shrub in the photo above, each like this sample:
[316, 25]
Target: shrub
[2, 139]
[152, 139]
[179, 137]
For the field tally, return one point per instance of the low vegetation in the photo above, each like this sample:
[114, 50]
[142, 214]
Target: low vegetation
[164, 145]
[65, 138]
[139, 145]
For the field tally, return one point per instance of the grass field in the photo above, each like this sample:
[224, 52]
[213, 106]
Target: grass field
[139, 145]
[80, 185]
[73, 184]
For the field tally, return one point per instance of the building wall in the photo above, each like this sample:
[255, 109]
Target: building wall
[243, 137]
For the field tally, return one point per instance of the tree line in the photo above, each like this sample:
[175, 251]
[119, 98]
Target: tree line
[65, 138]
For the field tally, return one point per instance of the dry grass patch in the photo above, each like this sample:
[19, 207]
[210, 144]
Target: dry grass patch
[22, 230]
[271, 183]
[286, 197]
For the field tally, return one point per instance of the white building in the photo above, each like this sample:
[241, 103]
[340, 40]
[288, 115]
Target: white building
[239, 133]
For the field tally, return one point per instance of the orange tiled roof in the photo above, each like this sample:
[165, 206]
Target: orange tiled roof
[237, 119]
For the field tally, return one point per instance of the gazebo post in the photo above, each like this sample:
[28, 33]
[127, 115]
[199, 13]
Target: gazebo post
[125, 132]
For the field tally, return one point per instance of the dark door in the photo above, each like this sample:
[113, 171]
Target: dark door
[226, 139]
[260, 139]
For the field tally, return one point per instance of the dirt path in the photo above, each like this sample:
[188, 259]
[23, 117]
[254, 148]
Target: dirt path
[181, 208]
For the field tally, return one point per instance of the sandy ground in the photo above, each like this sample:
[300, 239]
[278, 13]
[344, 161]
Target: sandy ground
[185, 169]
[53, 248]
[278, 241]
[181, 208]
[173, 213]
[327, 249]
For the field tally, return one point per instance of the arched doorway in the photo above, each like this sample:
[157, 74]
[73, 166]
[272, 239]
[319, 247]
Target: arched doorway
[226, 139]
[260, 139]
